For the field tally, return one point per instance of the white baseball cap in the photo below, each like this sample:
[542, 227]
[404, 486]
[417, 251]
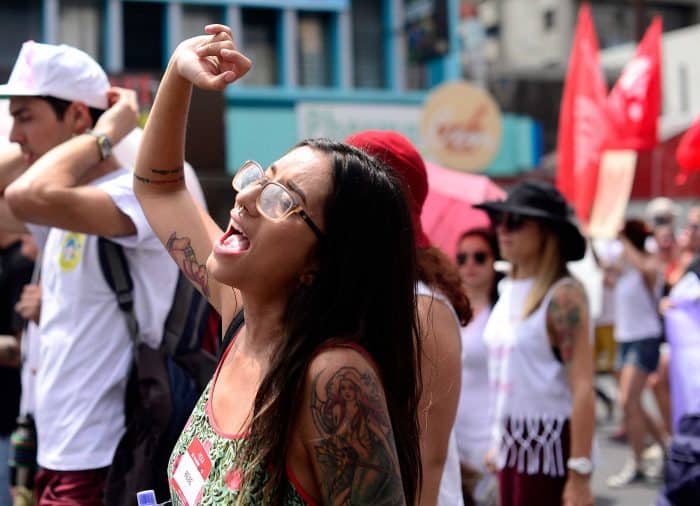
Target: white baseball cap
[57, 71]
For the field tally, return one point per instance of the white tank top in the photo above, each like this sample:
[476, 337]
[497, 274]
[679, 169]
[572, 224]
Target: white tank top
[529, 386]
[451, 483]
[636, 316]
[473, 425]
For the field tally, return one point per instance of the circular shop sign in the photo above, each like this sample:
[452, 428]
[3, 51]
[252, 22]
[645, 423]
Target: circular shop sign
[461, 126]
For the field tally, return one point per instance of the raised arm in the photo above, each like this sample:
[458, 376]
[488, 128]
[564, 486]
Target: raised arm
[12, 165]
[211, 63]
[54, 190]
[568, 327]
[347, 432]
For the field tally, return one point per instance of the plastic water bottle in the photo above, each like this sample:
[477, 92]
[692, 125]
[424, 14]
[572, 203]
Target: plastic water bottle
[146, 498]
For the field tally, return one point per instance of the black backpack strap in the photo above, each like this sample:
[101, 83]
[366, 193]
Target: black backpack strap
[116, 273]
[231, 332]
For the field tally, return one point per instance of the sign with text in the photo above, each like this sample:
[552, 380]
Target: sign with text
[615, 180]
[461, 126]
[337, 121]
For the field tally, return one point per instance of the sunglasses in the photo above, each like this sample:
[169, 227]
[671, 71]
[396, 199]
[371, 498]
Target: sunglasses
[274, 201]
[478, 256]
[509, 221]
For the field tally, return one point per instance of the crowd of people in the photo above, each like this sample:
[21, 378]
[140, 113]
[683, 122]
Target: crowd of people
[361, 365]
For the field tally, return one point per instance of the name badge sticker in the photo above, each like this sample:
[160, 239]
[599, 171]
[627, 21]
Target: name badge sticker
[191, 473]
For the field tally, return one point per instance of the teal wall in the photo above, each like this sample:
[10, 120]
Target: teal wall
[258, 133]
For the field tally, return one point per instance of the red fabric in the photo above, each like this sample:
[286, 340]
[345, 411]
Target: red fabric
[688, 152]
[397, 152]
[634, 103]
[583, 120]
[70, 488]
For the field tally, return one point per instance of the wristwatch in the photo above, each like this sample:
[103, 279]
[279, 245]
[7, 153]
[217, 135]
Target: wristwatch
[580, 465]
[103, 144]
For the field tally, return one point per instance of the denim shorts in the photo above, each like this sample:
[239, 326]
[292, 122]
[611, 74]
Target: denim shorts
[642, 353]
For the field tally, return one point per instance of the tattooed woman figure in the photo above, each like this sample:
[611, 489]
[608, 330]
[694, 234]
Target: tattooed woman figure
[540, 357]
[315, 399]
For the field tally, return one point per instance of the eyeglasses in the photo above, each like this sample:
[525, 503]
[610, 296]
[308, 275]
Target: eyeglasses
[274, 201]
[478, 256]
[510, 221]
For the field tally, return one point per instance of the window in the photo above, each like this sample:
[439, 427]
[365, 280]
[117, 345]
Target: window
[313, 47]
[368, 64]
[143, 36]
[550, 19]
[80, 25]
[260, 41]
[196, 17]
[21, 22]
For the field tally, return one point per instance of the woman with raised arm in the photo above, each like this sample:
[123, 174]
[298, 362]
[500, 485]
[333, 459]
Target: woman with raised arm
[540, 356]
[315, 399]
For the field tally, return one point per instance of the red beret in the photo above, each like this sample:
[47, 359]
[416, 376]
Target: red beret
[398, 153]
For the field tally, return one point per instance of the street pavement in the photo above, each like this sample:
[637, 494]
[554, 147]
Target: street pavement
[612, 456]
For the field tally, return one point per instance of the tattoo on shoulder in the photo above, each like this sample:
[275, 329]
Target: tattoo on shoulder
[182, 251]
[356, 450]
[565, 314]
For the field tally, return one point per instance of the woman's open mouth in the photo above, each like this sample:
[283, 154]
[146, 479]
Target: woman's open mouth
[233, 242]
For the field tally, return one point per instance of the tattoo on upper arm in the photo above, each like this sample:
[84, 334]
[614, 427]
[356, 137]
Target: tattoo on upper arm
[356, 451]
[182, 251]
[565, 315]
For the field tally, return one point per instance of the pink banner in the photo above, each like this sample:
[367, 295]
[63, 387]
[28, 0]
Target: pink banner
[683, 334]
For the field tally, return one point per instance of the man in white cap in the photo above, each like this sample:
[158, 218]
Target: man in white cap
[70, 189]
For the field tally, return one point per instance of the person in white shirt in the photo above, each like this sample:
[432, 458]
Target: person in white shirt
[65, 186]
[477, 251]
[540, 355]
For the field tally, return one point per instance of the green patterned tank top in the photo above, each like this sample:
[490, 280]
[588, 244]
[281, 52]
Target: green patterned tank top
[203, 469]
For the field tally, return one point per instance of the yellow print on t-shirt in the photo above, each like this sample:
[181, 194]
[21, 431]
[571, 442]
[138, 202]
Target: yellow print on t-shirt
[71, 251]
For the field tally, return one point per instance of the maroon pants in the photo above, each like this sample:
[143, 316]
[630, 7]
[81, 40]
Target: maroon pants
[521, 489]
[70, 488]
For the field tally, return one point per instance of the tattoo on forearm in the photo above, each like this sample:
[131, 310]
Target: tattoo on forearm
[146, 180]
[183, 252]
[166, 172]
[565, 316]
[356, 450]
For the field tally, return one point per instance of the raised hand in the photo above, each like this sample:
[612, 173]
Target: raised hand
[121, 117]
[211, 61]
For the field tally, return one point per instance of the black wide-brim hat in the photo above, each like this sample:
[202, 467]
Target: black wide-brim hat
[542, 201]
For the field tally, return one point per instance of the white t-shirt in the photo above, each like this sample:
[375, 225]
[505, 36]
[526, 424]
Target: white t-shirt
[636, 315]
[85, 348]
[473, 424]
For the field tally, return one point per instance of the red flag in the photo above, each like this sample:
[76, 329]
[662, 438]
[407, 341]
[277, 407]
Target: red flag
[688, 152]
[635, 101]
[583, 121]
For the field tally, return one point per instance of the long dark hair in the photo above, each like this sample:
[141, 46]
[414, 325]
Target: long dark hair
[488, 234]
[362, 292]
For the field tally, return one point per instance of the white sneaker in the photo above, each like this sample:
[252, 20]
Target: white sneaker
[653, 452]
[629, 474]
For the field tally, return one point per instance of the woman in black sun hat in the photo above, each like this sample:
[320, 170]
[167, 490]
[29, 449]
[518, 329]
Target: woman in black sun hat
[540, 358]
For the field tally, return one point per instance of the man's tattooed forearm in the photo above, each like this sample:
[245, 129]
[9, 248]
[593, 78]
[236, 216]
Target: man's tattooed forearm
[183, 252]
[356, 450]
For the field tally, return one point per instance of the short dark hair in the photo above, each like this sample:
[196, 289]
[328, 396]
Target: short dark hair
[60, 107]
